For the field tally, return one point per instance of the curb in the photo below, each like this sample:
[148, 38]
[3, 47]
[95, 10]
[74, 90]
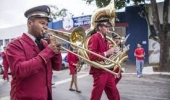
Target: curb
[153, 73]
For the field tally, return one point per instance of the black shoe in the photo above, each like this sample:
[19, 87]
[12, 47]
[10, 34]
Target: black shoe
[78, 91]
[72, 89]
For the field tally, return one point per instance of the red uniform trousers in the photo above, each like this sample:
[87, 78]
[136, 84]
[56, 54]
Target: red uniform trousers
[117, 79]
[104, 81]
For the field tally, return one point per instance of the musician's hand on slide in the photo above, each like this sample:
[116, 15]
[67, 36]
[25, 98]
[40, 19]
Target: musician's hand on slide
[75, 64]
[54, 45]
[116, 75]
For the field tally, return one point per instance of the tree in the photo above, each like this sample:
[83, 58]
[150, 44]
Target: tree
[57, 13]
[162, 31]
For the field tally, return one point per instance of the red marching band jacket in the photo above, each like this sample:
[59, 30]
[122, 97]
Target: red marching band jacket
[31, 74]
[93, 45]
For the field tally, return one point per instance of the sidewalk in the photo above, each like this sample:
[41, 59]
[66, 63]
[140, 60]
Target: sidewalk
[147, 69]
[130, 68]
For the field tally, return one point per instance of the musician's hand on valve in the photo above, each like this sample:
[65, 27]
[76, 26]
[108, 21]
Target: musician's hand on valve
[110, 51]
[116, 50]
[54, 45]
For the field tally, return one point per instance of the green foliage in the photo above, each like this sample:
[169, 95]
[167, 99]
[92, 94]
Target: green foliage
[57, 13]
[88, 1]
[118, 3]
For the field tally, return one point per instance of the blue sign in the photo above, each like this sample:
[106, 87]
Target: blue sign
[82, 21]
[68, 23]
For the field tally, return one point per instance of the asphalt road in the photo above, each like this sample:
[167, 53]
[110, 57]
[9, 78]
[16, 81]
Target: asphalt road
[148, 87]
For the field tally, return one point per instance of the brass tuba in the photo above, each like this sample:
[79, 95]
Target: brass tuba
[120, 56]
[108, 11]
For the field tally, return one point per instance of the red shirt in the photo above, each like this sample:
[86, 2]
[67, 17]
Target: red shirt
[138, 52]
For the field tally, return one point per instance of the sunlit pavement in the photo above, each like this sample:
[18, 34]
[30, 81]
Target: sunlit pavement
[149, 87]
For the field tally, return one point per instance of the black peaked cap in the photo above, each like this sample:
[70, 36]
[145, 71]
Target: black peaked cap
[39, 12]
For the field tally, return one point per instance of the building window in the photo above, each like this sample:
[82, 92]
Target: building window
[65, 46]
[1, 44]
[6, 41]
[12, 39]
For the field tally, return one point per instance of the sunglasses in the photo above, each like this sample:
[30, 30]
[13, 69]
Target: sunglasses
[104, 25]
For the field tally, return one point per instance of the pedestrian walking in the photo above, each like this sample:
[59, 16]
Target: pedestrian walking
[5, 65]
[73, 61]
[139, 53]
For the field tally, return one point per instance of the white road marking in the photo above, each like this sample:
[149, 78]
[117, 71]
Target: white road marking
[5, 98]
[129, 95]
[56, 83]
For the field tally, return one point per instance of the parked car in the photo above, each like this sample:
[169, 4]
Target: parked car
[64, 60]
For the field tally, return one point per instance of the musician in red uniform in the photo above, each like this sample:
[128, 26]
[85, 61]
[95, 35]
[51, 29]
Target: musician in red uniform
[73, 63]
[102, 80]
[32, 59]
[118, 70]
[5, 65]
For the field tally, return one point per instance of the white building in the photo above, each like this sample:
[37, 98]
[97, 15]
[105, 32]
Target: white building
[7, 34]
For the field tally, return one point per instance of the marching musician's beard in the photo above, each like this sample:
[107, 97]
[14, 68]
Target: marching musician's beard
[104, 36]
[40, 35]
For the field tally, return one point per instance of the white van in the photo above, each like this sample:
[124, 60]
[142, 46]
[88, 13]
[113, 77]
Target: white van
[64, 60]
[1, 66]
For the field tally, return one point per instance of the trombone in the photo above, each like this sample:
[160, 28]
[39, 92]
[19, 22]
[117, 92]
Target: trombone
[77, 36]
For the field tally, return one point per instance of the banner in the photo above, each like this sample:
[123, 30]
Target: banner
[69, 22]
